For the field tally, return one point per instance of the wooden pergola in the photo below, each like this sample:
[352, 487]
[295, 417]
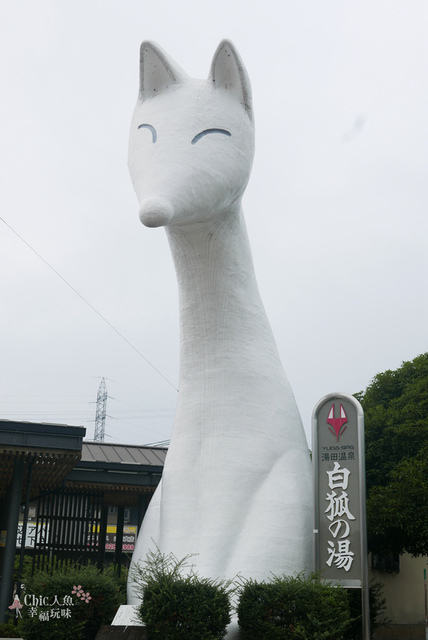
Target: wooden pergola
[74, 483]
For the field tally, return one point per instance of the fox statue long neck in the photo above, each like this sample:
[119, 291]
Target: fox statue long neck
[222, 318]
[232, 384]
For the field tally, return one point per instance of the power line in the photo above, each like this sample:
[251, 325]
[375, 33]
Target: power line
[161, 444]
[88, 303]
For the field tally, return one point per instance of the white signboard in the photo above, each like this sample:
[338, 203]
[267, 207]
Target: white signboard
[340, 539]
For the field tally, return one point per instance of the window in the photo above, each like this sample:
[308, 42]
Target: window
[389, 563]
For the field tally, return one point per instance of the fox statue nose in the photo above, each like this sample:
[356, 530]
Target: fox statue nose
[156, 212]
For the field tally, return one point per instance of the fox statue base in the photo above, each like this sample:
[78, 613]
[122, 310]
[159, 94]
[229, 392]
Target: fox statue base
[236, 489]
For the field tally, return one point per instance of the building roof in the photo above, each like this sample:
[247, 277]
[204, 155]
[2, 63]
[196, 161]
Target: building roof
[120, 471]
[59, 457]
[101, 452]
[52, 450]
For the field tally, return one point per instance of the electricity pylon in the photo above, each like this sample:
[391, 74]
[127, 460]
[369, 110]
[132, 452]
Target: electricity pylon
[100, 416]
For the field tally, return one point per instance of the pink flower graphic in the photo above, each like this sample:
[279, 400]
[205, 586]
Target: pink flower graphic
[79, 591]
[81, 594]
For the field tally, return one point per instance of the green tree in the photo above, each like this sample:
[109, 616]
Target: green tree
[396, 432]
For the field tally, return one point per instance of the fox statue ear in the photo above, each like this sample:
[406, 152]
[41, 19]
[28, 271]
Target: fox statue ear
[228, 72]
[158, 71]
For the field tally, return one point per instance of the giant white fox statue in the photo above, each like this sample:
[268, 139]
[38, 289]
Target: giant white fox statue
[236, 488]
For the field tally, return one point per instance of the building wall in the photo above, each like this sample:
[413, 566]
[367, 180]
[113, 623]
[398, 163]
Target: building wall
[404, 591]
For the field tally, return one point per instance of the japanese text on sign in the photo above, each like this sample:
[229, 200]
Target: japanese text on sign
[339, 514]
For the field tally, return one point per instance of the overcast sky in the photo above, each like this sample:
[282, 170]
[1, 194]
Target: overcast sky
[336, 207]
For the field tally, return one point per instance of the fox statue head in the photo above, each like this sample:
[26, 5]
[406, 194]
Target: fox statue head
[191, 143]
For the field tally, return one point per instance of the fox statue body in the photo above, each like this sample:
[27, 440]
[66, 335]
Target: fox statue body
[236, 487]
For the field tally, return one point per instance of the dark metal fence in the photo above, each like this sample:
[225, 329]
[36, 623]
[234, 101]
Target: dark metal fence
[68, 529]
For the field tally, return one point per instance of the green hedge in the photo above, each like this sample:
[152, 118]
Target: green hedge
[177, 603]
[187, 609]
[292, 607]
[8, 630]
[84, 616]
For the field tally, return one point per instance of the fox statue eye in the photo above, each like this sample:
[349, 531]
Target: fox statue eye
[208, 131]
[152, 129]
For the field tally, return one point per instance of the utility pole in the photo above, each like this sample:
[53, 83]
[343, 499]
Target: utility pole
[100, 415]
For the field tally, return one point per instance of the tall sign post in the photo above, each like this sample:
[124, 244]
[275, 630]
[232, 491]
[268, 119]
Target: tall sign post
[340, 537]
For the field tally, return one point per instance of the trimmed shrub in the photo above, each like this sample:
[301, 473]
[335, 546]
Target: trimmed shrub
[86, 599]
[177, 603]
[121, 582]
[8, 630]
[292, 607]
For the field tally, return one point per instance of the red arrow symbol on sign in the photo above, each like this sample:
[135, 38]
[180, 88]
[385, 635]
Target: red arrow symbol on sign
[337, 423]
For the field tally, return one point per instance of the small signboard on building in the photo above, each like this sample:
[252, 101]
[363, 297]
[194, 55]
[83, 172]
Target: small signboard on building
[128, 540]
[340, 539]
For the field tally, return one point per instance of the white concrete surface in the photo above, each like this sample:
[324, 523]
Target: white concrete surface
[126, 616]
[236, 487]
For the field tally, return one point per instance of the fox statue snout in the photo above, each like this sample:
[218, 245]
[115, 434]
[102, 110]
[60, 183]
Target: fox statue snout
[156, 212]
[191, 143]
